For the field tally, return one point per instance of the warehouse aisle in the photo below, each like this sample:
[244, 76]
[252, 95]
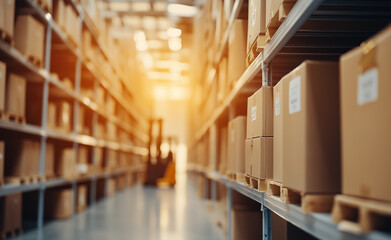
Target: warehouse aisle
[139, 213]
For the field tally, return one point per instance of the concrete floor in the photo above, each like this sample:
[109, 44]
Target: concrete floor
[138, 213]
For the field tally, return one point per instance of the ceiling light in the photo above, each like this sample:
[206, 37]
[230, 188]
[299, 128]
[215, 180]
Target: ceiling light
[181, 10]
[174, 32]
[175, 44]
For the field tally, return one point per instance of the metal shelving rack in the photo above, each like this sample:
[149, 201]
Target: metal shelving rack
[317, 224]
[49, 84]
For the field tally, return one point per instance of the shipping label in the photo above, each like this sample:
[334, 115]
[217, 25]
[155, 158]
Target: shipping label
[295, 95]
[277, 106]
[253, 113]
[368, 87]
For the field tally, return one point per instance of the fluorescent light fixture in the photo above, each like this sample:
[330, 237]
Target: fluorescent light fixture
[181, 10]
[175, 44]
[141, 6]
[170, 92]
[174, 32]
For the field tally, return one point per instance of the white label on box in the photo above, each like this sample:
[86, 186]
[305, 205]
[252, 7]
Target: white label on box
[295, 95]
[253, 13]
[277, 106]
[368, 86]
[253, 113]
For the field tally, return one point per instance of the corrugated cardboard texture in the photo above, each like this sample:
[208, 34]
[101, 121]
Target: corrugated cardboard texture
[236, 139]
[262, 158]
[16, 95]
[3, 76]
[30, 36]
[311, 141]
[22, 159]
[278, 132]
[8, 10]
[246, 224]
[66, 163]
[366, 129]
[11, 209]
[256, 20]
[260, 113]
[59, 203]
[237, 44]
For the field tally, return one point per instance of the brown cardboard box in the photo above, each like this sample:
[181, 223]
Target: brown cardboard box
[260, 113]
[52, 113]
[366, 117]
[111, 131]
[81, 197]
[111, 187]
[110, 104]
[259, 157]
[111, 159]
[100, 96]
[223, 151]
[2, 155]
[66, 163]
[236, 138]
[99, 157]
[272, 9]
[246, 224]
[82, 160]
[311, 128]
[15, 103]
[8, 16]
[237, 51]
[49, 163]
[72, 26]
[11, 209]
[283, 230]
[22, 158]
[59, 203]
[30, 37]
[3, 76]
[256, 21]
[64, 116]
[60, 14]
[278, 132]
[223, 80]
[80, 120]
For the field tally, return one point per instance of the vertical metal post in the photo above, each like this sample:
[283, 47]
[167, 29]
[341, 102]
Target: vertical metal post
[229, 212]
[266, 223]
[93, 190]
[266, 81]
[45, 100]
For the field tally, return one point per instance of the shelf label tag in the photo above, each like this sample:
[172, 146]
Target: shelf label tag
[277, 106]
[253, 113]
[368, 86]
[295, 95]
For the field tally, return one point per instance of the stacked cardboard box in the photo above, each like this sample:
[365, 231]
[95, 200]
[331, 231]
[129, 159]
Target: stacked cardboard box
[223, 150]
[65, 163]
[278, 132]
[82, 165]
[259, 137]
[310, 115]
[7, 15]
[67, 18]
[11, 213]
[49, 162]
[365, 118]
[52, 116]
[237, 51]
[30, 37]
[111, 186]
[63, 119]
[246, 224]
[81, 197]
[236, 139]
[15, 103]
[256, 22]
[59, 203]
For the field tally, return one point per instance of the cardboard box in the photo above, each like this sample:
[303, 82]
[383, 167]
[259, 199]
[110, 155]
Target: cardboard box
[82, 160]
[236, 138]
[272, 10]
[81, 197]
[11, 212]
[365, 118]
[223, 150]
[64, 116]
[66, 163]
[222, 80]
[111, 187]
[80, 120]
[3, 76]
[283, 230]
[260, 113]
[2, 155]
[59, 203]
[15, 103]
[278, 133]
[72, 26]
[7, 17]
[22, 159]
[256, 21]
[51, 118]
[49, 163]
[60, 14]
[111, 131]
[111, 159]
[110, 104]
[237, 44]
[259, 157]
[246, 224]
[311, 128]
[30, 37]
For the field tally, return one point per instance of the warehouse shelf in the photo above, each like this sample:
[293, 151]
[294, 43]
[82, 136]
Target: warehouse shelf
[22, 128]
[319, 225]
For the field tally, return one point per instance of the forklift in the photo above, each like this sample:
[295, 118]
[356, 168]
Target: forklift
[160, 170]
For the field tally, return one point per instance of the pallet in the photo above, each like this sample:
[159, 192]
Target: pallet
[256, 47]
[238, 177]
[309, 202]
[14, 118]
[278, 17]
[10, 233]
[274, 188]
[24, 180]
[35, 61]
[360, 215]
[6, 37]
[255, 183]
